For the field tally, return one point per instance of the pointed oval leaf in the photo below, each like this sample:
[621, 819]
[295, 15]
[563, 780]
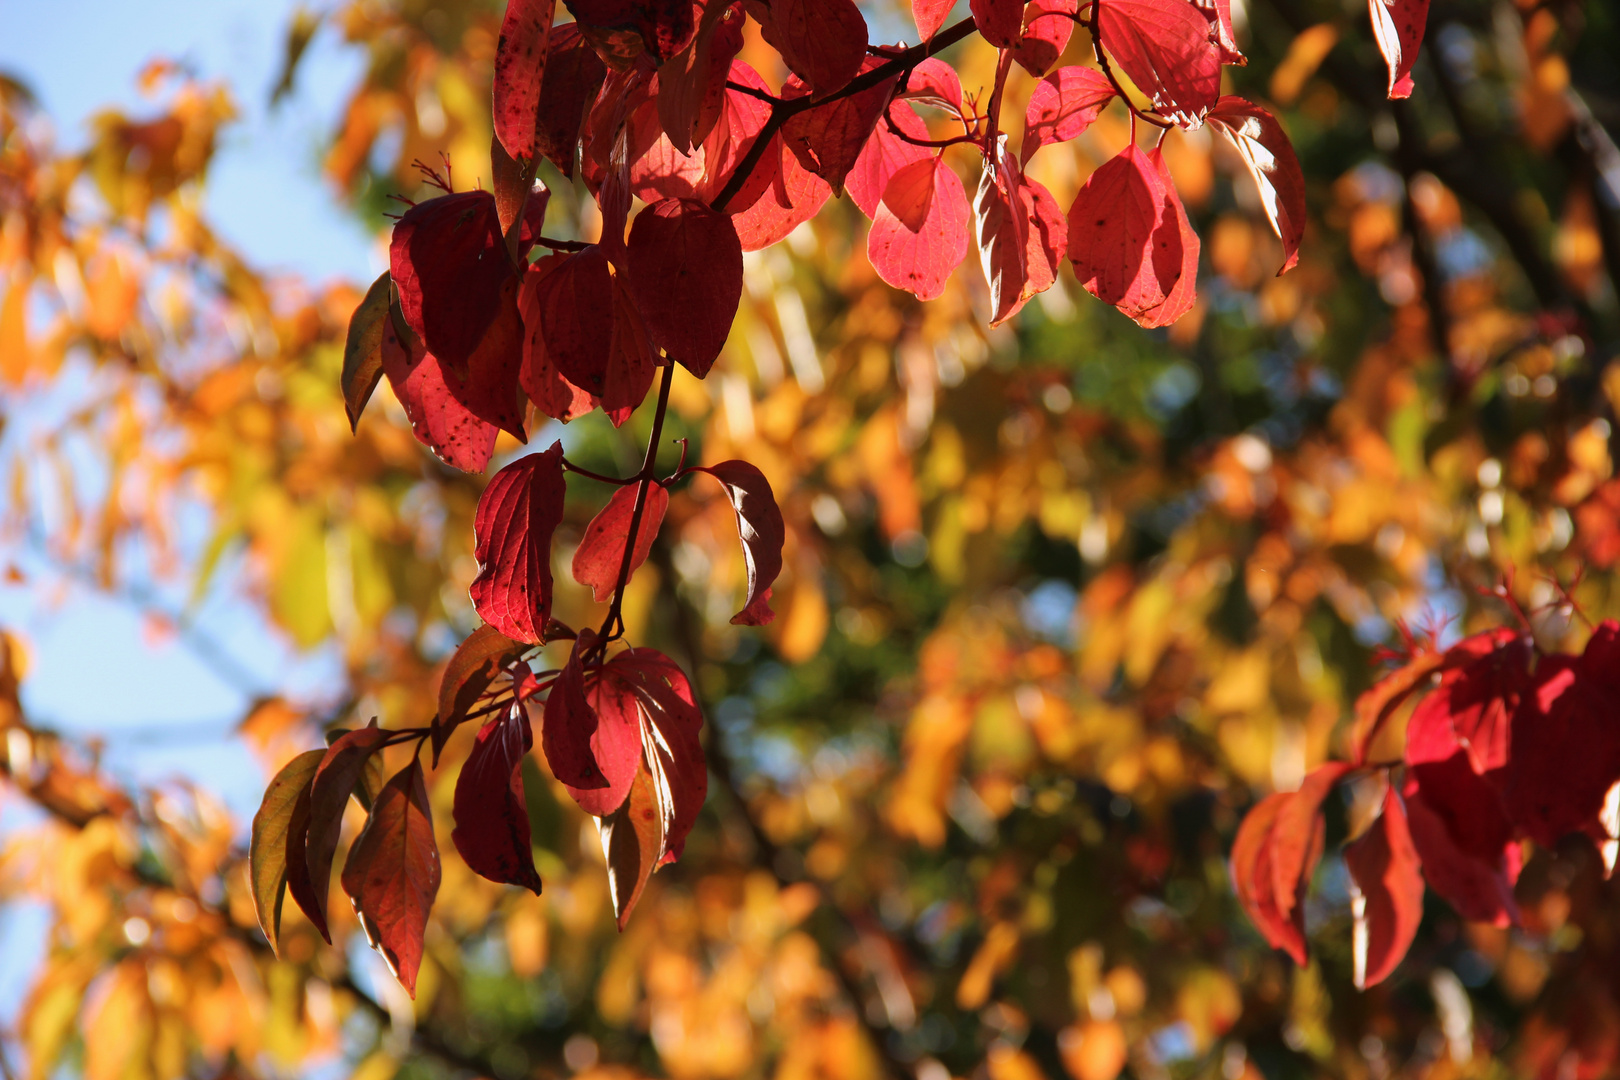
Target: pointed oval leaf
[1179, 297]
[828, 138]
[920, 260]
[1398, 25]
[1255, 884]
[448, 260]
[267, 858]
[336, 779]
[930, 15]
[573, 76]
[1463, 836]
[539, 376]
[795, 196]
[1295, 838]
[473, 668]
[1000, 22]
[671, 738]
[885, 154]
[685, 274]
[517, 514]
[574, 305]
[760, 527]
[1265, 149]
[438, 419]
[1048, 25]
[393, 873]
[692, 83]
[362, 348]
[520, 63]
[1386, 893]
[633, 841]
[599, 555]
[591, 734]
[1122, 247]
[821, 41]
[491, 814]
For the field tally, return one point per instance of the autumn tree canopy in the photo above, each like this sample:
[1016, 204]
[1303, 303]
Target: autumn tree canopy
[785, 625]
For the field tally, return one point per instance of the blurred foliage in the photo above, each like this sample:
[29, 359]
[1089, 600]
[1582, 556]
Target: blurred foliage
[1062, 599]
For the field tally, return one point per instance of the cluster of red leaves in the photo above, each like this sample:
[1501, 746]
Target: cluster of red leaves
[1508, 745]
[647, 100]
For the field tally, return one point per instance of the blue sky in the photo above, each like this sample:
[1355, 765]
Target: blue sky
[95, 668]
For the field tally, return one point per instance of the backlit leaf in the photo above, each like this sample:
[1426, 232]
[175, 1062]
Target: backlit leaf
[1048, 25]
[1000, 22]
[1386, 893]
[472, 670]
[268, 854]
[573, 75]
[520, 61]
[1164, 47]
[821, 41]
[492, 817]
[930, 15]
[517, 514]
[1270, 157]
[600, 553]
[440, 421]
[393, 873]
[920, 260]
[828, 138]
[362, 349]
[685, 273]
[760, 527]
[335, 780]
[448, 262]
[633, 841]
[1398, 25]
[1063, 105]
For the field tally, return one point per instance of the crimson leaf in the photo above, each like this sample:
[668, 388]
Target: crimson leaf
[760, 527]
[516, 516]
[393, 873]
[492, 818]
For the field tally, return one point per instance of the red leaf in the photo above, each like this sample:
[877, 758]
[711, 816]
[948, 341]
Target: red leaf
[933, 82]
[1398, 26]
[1048, 236]
[574, 304]
[1219, 13]
[591, 734]
[393, 873]
[1179, 298]
[471, 671]
[489, 388]
[1379, 702]
[335, 780]
[1048, 25]
[1063, 105]
[1000, 22]
[448, 261]
[692, 83]
[1124, 249]
[520, 62]
[742, 119]
[796, 195]
[885, 154]
[1296, 842]
[492, 817]
[1254, 882]
[573, 76]
[1472, 708]
[517, 514]
[551, 393]
[930, 16]
[1021, 235]
[440, 422]
[630, 361]
[1565, 747]
[597, 560]
[1464, 839]
[920, 260]
[1386, 893]
[1270, 157]
[828, 138]
[671, 730]
[821, 41]
[760, 527]
[1165, 48]
[685, 267]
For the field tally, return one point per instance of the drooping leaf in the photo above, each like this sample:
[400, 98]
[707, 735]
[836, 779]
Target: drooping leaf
[1164, 46]
[1000, 22]
[1270, 157]
[439, 420]
[1124, 250]
[473, 668]
[932, 82]
[573, 301]
[692, 83]
[517, 514]
[823, 42]
[540, 378]
[1472, 708]
[630, 363]
[363, 347]
[1048, 25]
[592, 734]
[600, 553]
[1386, 893]
[1254, 882]
[633, 841]
[520, 62]
[742, 119]
[761, 529]
[1398, 25]
[335, 780]
[1179, 297]
[685, 274]
[573, 76]
[517, 193]
[1219, 13]
[1021, 235]
[828, 138]
[393, 873]
[1063, 105]
[672, 749]
[267, 856]
[489, 387]
[920, 260]
[930, 15]
[448, 261]
[492, 817]
[1462, 834]
[1296, 841]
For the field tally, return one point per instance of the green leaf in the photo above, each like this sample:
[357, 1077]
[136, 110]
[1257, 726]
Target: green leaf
[362, 352]
[268, 854]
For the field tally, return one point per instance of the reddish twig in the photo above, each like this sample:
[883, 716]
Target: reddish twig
[1090, 23]
[589, 475]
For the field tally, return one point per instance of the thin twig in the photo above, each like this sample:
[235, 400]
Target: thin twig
[1090, 23]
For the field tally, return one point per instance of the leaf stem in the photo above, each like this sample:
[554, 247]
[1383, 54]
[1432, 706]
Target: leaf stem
[589, 475]
[613, 625]
[1090, 23]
